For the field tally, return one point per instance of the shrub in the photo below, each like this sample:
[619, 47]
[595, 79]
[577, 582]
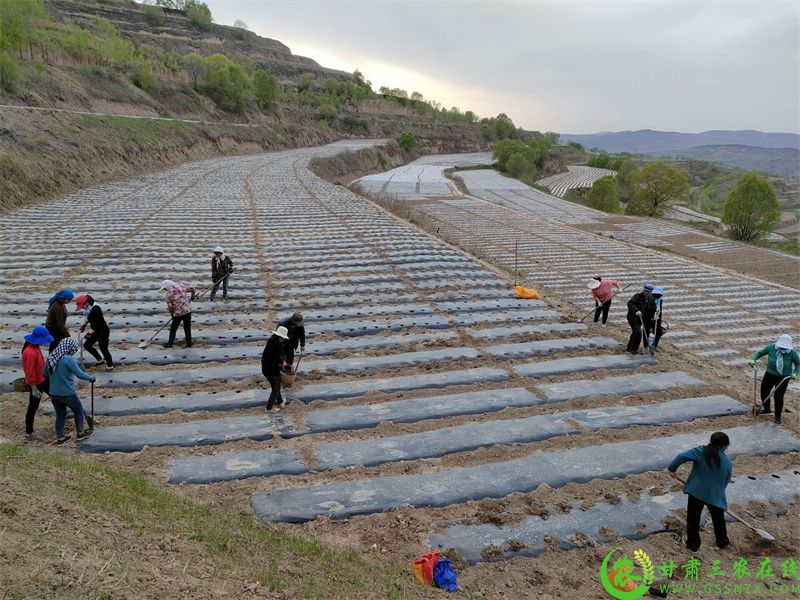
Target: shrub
[517, 165]
[407, 141]
[751, 209]
[200, 15]
[154, 15]
[9, 73]
[304, 82]
[265, 88]
[144, 79]
[226, 83]
[323, 125]
[327, 110]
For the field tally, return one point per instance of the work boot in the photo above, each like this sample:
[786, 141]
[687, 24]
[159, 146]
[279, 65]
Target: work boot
[167, 345]
[33, 437]
[270, 408]
[189, 344]
[90, 422]
[84, 434]
[777, 420]
[63, 440]
[764, 410]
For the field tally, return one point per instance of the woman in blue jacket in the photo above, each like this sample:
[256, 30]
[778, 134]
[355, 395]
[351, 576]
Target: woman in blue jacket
[783, 362]
[705, 486]
[62, 369]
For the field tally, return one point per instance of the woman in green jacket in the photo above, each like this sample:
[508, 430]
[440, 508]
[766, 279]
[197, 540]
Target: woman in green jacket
[783, 362]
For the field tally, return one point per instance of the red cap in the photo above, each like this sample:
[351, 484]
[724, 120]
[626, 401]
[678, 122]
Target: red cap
[80, 301]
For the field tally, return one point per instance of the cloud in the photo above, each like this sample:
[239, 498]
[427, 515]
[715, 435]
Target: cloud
[563, 66]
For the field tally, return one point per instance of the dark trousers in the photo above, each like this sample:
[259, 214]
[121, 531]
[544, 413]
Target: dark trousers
[275, 393]
[33, 404]
[694, 508]
[224, 288]
[57, 337]
[636, 334]
[601, 309]
[288, 351]
[101, 339]
[187, 328]
[767, 384]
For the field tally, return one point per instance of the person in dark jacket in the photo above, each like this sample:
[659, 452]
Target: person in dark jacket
[783, 364]
[640, 308]
[297, 337]
[705, 487]
[100, 333]
[221, 268]
[271, 361]
[658, 312]
[57, 313]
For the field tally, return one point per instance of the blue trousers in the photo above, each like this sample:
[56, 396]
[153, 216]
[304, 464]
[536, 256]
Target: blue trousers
[61, 403]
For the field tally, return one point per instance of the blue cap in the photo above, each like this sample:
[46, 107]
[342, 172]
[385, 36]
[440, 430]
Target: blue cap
[658, 291]
[648, 287]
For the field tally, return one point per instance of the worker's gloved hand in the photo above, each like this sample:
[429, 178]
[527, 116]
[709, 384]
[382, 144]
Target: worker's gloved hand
[93, 379]
[83, 328]
[638, 313]
[36, 393]
[751, 362]
[794, 376]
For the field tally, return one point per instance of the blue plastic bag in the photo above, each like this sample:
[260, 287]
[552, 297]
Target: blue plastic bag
[444, 577]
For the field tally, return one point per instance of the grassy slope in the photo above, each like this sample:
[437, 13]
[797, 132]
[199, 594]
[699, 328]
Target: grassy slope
[58, 512]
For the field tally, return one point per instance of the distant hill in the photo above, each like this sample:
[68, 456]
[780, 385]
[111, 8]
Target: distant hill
[778, 161]
[647, 141]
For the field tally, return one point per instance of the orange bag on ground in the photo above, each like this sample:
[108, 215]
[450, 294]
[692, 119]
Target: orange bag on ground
[526, 293]
[422, 568]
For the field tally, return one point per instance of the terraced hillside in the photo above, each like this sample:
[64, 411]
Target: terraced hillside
[432, 407]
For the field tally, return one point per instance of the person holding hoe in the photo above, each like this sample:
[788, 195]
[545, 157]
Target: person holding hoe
[33, 366]
[180, 309]
[221, 268]
[705, 487]
[100, 332]
[62, 369]
[603, 291]
[297, 337]
[658, 312]
[641, 309]
[271, 362]
[56, 321]
[783, 364]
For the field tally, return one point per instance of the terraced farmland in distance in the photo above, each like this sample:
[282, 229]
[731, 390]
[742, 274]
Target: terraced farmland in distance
[432, 406]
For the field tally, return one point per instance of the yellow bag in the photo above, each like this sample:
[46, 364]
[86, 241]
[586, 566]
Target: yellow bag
[422, 568]
[526, 293]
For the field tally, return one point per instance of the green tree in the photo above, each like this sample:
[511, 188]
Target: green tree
[265, 88]
[552, 137]
[197, 68]
[658, 184]
[604, 195]
[9, 73]
[627, 174]
[751, 209]
[518, 165]
[19, 20]
[601, 161]
[539, 151]
[200, 15]
[503, 150]
[407, 141]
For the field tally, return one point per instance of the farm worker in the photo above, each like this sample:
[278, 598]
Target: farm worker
[705, 486]
[658, 301]
[640, 309]
[180, 309]
[100, 332]
[62, 369]
[271, 361]
[33, 366]
[783, 364]
[297, 337]
[603, 291]
[221, 267]
[56, 321]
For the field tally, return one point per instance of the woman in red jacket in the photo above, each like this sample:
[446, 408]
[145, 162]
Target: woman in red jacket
[33, 365]
[603, 291]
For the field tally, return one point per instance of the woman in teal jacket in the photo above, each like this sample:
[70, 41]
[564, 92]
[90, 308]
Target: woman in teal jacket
[62, 369]
[783, 361]
[705, 487]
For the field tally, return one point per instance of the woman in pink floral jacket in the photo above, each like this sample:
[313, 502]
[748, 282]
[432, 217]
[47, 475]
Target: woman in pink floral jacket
[180, 308]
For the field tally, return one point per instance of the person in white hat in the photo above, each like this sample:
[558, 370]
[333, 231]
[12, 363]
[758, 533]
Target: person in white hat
[783, 364]
[603, 291]
[221, 268]
[271, 362]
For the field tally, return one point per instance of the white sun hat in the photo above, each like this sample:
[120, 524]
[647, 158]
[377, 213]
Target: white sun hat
[282, 332]
[219, 249]
[785, 342]
[593, 284]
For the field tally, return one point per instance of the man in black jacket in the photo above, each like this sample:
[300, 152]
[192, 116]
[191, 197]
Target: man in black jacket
[640, 308]
[297, 337]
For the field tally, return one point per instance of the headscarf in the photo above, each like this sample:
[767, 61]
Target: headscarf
[221, 252]
[66, 295]
[66, 347]
[168, 285]
[782, 346]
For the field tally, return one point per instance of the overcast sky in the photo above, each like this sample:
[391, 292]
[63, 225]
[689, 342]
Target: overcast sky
[570, 67]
